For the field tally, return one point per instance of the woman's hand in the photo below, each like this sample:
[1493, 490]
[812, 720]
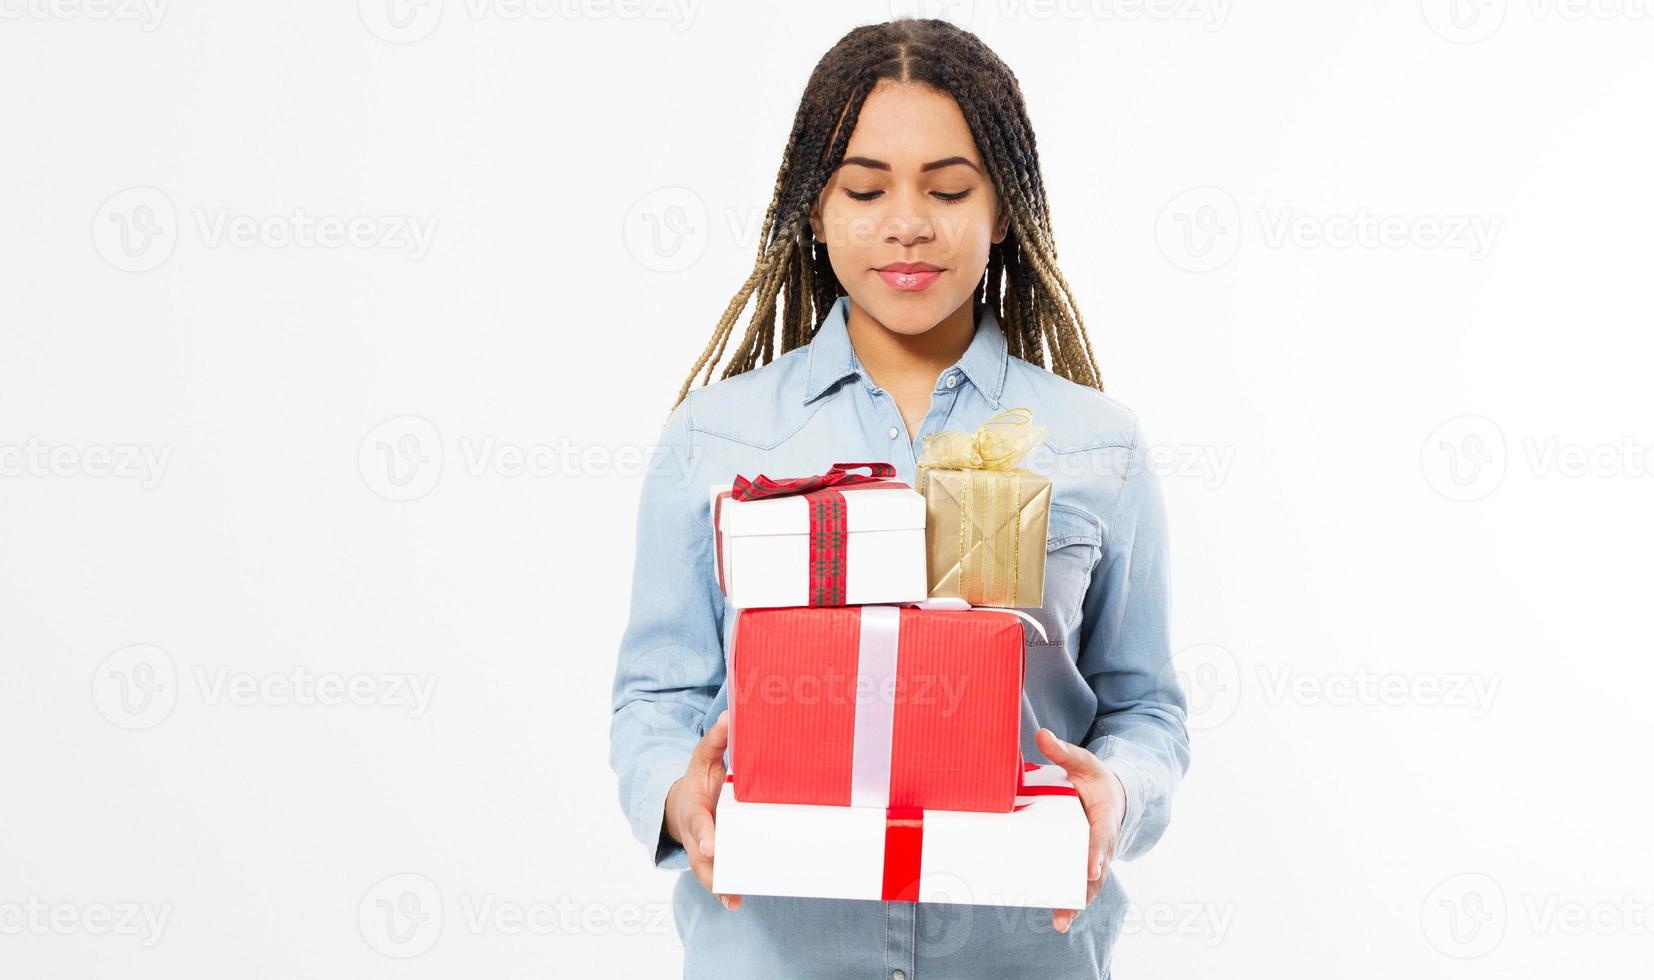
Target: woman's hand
[693, 799]
[1104, 799]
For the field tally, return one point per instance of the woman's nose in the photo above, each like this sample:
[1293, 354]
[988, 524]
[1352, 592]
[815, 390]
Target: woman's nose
[908, 230]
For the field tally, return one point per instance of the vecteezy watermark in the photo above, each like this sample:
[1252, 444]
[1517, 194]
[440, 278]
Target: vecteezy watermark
[1205, 922]
[1470, 21]
[402, 459]
[402, 916]
[1201, 230]
[219, 685]
[1464, 916]
[144, 464]
[1463, 459]
[670, 228]
[1211, 682]
[667, 229]
[1472, 234]
[143, 921]
[1208, 464]
[1466, 458]
[564, 916]
[945, 928]
[1214, 687]
[1365, 687]
[1468, 915]
[806, 688]
[1210, 14]
[407, 21]
[137, 230]
[146, 14]
[137, 687]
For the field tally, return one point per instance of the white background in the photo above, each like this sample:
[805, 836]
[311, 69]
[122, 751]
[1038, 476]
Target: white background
[1418, 656]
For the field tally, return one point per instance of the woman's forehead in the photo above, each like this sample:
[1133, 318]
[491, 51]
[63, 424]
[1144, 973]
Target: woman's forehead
[907, 123]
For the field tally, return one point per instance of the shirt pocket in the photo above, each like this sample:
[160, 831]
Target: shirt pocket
[1073, 544]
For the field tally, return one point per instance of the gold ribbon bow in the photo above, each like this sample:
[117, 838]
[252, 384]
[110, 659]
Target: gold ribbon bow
[973, 527]
[997, 444]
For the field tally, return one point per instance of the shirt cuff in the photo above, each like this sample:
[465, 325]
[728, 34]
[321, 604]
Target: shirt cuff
[650, 819]
[1131, 780]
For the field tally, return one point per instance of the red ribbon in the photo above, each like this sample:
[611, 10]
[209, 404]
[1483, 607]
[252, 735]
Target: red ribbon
[828, 530]
[838, 475]
[904, 840]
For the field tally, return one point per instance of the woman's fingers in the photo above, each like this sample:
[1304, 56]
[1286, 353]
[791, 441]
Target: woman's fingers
[702, 830]
[1078, 763]
[1090, 780]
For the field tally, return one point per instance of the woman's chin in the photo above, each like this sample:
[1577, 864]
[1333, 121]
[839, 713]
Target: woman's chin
[908, 315]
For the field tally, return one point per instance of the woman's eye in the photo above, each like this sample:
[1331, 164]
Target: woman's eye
[862, 195]
[956, 196]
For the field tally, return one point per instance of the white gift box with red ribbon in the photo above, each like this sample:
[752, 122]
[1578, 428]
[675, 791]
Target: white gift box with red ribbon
[860, 540]
[1034, 856]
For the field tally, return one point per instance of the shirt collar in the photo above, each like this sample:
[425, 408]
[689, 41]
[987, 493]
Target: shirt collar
[833, 357]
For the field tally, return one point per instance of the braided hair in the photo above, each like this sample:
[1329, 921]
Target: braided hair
[792, 275]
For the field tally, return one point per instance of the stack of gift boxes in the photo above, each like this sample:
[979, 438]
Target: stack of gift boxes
[875, 683]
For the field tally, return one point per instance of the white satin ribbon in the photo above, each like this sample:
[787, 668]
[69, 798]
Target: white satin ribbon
[875, 706]
[876, 672]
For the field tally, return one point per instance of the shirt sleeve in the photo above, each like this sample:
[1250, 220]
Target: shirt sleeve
[1125, 657]
[671, 663]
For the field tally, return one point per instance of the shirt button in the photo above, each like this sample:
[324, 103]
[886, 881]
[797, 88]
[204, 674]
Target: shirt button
[953, 379]
[897, 975]
[893, 434]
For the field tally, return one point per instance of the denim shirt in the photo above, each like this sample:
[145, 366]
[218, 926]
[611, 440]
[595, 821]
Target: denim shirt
[1102, 678]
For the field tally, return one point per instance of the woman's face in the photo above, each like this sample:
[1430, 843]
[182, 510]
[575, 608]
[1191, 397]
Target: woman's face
[909, 216]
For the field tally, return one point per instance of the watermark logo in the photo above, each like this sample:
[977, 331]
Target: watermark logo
[144, 464]
[400, 459]
[1211, 681]
[400, 21]
[1369, 688]
[956, 12]
[407, 21]
[400, 917]
[1472, 21]
[136, 229]
[1463, 21]
[1199, 230]
[1464, 917]
[136, 687]
[668, 229]
[1463, 459]
[146, 14]
[1466, 458]
[143, 921]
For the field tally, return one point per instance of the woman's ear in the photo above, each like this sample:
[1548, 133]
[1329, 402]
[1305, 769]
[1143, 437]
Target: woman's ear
[815, 222]
[1002, 223]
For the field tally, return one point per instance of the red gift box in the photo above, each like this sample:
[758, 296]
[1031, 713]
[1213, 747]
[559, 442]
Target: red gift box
[879, 706]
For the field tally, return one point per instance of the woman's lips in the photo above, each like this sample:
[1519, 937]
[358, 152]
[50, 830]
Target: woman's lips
[908, 278]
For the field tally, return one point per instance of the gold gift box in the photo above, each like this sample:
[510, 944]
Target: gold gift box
[985, 517]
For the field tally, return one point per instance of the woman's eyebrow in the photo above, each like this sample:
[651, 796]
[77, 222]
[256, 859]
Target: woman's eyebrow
[923, 168]
[950, 161]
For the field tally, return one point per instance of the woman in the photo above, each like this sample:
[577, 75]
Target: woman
[906, 283]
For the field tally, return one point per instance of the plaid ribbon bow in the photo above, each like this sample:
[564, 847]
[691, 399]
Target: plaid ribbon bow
[828, 529]
[838, 475]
